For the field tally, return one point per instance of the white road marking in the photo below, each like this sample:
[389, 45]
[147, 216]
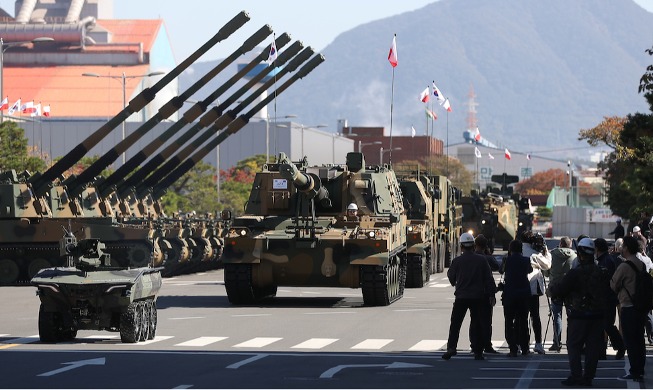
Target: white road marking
[155, 340]
[315, 343]
[429, 345]
[186, 318]
[372, 344]
[258, 342]
[200, 341]
[246, 361]
[400, 310]
[251, 315]
[330, 312]
[441, 285]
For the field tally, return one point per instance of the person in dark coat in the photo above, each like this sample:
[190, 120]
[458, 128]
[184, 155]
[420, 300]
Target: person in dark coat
[474, 285]
[583, 290]
[481, 247]
[607, 262]
[619, 231]
[515, 298]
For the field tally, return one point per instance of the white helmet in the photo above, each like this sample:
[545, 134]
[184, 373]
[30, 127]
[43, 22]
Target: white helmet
[466, 239]
[352, 206]
[586, 245]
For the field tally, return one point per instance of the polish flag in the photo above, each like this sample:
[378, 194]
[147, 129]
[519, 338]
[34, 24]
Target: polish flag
[28, 107]
[46, 110]
[392, 55]
[37, 110]
[5, 104]
[424, 96]
[477, 135]
[507, 154]
[447, 105]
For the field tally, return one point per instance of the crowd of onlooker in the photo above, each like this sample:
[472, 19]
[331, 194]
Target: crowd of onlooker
[584, 282]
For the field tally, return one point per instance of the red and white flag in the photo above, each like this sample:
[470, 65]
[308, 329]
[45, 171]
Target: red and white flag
[431, 114]
[46, 110]
[5, 103]
[28, 107]
[15, 107]
[490, 156]
[37, 110]
[477, 152]
[424, 96]
[477, 135]
[447, 105]
[392, 55]
[507, 154]
[438, 95]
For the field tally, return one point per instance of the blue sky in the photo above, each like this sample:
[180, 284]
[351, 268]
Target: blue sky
[317, 23]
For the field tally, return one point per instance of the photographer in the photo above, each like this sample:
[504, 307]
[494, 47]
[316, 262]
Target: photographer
[562, 258]
[535, 248]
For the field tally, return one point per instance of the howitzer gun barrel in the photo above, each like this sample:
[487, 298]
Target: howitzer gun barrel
[76, 185]
[309, 185]
[232, 128]
[222, 121]
[40, 183]
[200, 107]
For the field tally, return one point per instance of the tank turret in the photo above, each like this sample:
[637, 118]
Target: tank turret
[306, 183]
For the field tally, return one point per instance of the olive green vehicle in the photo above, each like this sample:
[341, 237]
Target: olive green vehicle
[295, 232]
[449, 214]
[422, 255]
[90, 294]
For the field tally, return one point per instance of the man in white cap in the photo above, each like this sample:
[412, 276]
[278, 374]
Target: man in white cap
[472, 277]
[641, 240]
[352, 211]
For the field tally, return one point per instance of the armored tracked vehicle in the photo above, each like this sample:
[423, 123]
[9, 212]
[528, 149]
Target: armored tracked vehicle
[295, 232]
[91, 294]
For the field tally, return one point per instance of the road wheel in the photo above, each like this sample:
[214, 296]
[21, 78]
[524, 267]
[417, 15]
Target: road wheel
[414, 271]
[9, 271]
[48, 328]
[145, 321]
[36, 265]
[238, 283]
[130, 324]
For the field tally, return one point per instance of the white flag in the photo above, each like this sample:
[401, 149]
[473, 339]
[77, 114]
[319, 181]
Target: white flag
[477, 152]
[412, 129]
[490, 156]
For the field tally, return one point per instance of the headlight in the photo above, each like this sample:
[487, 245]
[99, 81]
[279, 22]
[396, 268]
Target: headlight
[410, 228]
[371, 234]
[482, 222]
[470, 231]
[520, 223]
[243, 232]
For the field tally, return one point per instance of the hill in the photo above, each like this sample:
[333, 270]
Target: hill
[541, 70]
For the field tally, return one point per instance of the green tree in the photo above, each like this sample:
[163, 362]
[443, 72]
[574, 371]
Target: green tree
[238, 181]
[195, 190]
[629, 167]
[14, 150]
[646, 82]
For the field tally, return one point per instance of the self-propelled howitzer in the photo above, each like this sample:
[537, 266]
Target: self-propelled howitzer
[295, 232]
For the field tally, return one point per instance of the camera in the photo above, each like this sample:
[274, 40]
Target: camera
[538, 243]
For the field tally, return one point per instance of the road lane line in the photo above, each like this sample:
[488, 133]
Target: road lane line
[315, 343]
[330, 312]
[250, 315]
[258, 342]
[372, 344]
[155, 340]
[23, 340]
[200, 341]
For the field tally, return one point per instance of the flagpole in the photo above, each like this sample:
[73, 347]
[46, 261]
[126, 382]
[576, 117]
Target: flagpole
[392, 102]
[447, 155]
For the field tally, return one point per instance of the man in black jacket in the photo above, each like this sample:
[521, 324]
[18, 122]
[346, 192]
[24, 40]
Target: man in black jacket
[474, 285]
[583, 290]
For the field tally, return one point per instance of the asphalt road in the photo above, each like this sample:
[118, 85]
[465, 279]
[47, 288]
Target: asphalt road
[304, 338]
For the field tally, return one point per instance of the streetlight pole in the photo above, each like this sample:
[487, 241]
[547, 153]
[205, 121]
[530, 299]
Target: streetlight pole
[4, 46]
[382, 151]
[361, 144]
[123, 80]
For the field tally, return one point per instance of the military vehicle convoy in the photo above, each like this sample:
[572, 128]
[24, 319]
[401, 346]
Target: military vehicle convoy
[295, 232]
[89, 293]
[449, 213]
[495, 213]
[123, 210]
